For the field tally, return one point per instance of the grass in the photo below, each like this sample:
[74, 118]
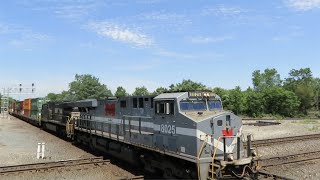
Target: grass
[312, 125]
[308, 121]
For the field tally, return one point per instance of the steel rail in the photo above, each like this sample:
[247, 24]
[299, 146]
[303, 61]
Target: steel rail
[290, 159]
[267, 142]
[133, 178]
[51, 165]
[265, 174]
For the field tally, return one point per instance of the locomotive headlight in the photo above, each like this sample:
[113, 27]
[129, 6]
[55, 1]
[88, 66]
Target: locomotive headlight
[230, 157]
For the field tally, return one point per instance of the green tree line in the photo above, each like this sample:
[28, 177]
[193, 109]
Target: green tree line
[269, 95]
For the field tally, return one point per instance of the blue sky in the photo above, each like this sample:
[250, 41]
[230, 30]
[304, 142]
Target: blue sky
[155, 43]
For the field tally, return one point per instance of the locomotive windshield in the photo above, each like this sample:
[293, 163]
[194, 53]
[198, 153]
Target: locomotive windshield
[214, 105]
[197, 105]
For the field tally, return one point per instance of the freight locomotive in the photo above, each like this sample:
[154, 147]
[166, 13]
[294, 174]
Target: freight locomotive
[182, 134]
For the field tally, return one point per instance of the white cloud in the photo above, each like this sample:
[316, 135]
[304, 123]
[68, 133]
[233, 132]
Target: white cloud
[195, 57]
[222, 10]
[37, 37]
[162, 21]
[205, 40]
[28, 40]
[4, 28]
[121, 33]
[16, 43]
[149, 1]
[162, 16]
[74, 11]
[288, 36]
[303, 5]
[69, 9]
[171, 54]
[23, 37]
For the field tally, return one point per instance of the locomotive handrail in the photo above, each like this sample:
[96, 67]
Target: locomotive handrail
[200, 153]
[215, 150]
[214, 156]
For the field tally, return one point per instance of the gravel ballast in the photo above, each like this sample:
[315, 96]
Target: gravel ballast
[18, 145]
[287, 128]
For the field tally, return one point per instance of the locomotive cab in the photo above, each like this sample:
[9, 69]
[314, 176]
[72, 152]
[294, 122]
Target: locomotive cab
[218, 136]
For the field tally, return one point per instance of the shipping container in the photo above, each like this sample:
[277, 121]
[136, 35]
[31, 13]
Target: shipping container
[19, 107]
[27, 113]
[12, 107]
[35, 114]
[34, 103]
[36, 107]
[27, 104]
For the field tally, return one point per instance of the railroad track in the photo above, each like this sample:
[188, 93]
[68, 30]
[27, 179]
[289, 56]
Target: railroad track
[267, 142]
[133, 178]
[290, 159]
[52, 165]
[267, 175]
[272, 119]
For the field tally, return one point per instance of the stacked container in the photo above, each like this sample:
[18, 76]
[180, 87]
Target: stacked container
[19, 107]
[34, 108]
[27, 107]
[13, 106]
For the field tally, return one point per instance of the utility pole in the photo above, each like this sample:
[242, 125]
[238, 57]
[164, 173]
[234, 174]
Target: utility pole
[18, 90]
[4, 103]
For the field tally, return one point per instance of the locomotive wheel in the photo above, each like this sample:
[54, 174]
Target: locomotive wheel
[168, 174]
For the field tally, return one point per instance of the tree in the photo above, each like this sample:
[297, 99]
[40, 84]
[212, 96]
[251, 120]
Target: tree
[302, 83]
[159, 90]
[306, 94]
[68, 96]
[236, 101]
[186, 85]
[224, 95]
[303, 74]
[53, 97]
[269, 78]
[121, 92]
[254, 103]
[141, 91]
[317, 92]
[281, 101]
[87, 86]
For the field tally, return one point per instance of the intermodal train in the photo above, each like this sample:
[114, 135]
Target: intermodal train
[184, 135]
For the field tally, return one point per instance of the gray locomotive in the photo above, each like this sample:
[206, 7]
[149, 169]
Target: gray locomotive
[182, 135]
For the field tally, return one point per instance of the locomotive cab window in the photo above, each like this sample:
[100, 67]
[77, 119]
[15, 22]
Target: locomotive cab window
[123, 104]
[219, 123]
[45, 106]
[135, 103]
[193, 105]
[214, 105]
[151, 102]
[165, 107]
[141, 103]
[228, 120]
